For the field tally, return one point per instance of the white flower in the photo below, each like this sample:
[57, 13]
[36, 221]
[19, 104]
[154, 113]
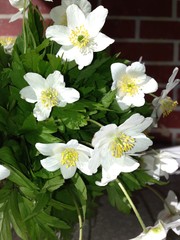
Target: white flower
[47, 93]
[131, 84]
[81, 37]
[114, 145]
[4, 172]
[158, 232]
[58, 14]
[66, 157]
[171, 213]
[21, 5]
[164, 104]
[160, 163]
[7, 43]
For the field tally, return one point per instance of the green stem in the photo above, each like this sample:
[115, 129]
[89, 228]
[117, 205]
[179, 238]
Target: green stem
[79, 218]
[132, 205]
[95, 122]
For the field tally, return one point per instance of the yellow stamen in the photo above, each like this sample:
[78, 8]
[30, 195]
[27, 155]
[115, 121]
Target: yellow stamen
[121, 144]
[69, 157]
[79, 37]
[6, 41]
[167, 106]
[128, 85]
[49, 97]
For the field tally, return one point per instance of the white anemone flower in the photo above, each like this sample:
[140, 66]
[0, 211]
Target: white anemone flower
[21, 5]
[131, 84]
[160, 163]
[58, 14]
[81, 37]
[66, 157]
[170, 215]
[115, 145]
[47, 93]
[4, 172]
[157, 232]
[164, 105]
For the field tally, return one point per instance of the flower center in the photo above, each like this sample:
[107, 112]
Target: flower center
[79, 37]
[69, 157]
[121, 144]
[128, 85]
[49, 97]
[167, 106]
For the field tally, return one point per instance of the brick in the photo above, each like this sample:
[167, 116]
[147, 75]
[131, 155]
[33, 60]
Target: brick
[6, 8]
[171, 121]
[117, 28]
[160, 30]
[10, 29]
[160, 73]
[153, 8]
[149, 51]
[178, 9]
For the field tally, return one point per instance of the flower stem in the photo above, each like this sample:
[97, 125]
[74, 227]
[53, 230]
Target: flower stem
[79, 218]
[95, 122]
[132, 204]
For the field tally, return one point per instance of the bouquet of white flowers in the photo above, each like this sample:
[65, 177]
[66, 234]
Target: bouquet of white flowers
[75, 124]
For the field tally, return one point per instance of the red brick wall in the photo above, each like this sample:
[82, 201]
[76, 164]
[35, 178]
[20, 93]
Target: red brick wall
[147, 28]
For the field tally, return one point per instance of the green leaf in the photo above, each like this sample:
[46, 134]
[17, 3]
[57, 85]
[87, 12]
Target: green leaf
[16, 217]
[81, 192]
[42, 200]
[53, 184]
[117, 198]
[108, 98]
[5, 225]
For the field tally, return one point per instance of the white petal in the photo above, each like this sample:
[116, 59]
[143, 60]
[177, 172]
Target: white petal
[142, 143]
[15, 16]
[75, 17]
[59, 34]
[55, 80]
[58, 15]
[151, 86]
[69, 95]
[68, 53]
[83, 163]
[83, 59]
[102, 42]
[35, 80]
[51, 164]
[28, 94]
[67, 172]
[4, 172]
[47, 149]
[40, 112]
[128, 164]
[118, 69]
[95, 20]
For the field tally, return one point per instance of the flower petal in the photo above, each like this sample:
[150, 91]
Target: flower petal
[4, 172]
[83, 163]
[102, 42]
[59, 34]
[40, 112]
[35, 80]
[51, 164]
[28, 94]
[75, 17]
[69, 95]
[68, 172]
[47, 149]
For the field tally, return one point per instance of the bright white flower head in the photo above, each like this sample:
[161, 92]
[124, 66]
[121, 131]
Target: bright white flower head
[158, 232]
[21, 5]
[171, 213]
[81, 37]
[4, 172]
[115, 145]
[164, 104]
[58, 14]
[66, 157]
[47, 93]
[131, 84]
[160, 163]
